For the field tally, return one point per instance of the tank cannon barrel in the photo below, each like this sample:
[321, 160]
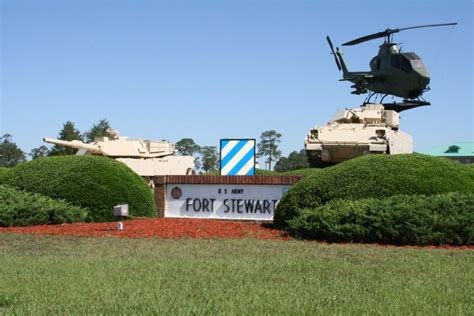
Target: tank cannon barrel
[73, 144]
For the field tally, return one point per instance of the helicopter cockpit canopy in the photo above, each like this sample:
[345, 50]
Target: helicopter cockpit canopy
[415, 60]
[406, 61]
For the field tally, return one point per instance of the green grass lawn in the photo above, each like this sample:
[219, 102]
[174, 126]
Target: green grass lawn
[45, 275]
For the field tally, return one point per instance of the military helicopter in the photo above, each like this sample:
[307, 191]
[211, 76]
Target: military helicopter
[391, 72]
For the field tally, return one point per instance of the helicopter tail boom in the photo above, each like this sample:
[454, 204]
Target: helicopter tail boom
[345, 71]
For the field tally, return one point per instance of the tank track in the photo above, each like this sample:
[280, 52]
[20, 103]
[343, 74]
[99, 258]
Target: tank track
[316, 162]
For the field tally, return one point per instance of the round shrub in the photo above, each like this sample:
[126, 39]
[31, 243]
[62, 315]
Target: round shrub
[446, 218]
[92, 182]
[19, 208]
[375, 176]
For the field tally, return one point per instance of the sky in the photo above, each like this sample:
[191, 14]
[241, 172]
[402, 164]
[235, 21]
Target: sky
[220, 69]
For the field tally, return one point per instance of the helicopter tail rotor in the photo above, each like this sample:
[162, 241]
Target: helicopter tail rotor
[333, 52]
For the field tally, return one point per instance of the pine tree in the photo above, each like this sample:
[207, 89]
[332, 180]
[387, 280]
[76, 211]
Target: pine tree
[187, 147]
[10, 153]
[210, 158]
[41, 151]
[268, 147]
[69, 132]
[101, 129]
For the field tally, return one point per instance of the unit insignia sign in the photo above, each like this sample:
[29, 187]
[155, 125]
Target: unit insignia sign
[237, 157]
[176, 193]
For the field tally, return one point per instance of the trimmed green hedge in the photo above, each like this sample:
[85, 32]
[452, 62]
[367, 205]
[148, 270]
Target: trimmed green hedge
[304, 172]
[92, 182]
[298, 172]
[400, 219]
[375, 176]
[19, 208]
[264, 172]
[3, 172]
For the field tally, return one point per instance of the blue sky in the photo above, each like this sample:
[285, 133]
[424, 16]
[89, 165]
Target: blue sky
[219, 69]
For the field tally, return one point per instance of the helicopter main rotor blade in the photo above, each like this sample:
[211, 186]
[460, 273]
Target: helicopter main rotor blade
[428, 25]
[332, 49]
[369, 37]
[389, 32]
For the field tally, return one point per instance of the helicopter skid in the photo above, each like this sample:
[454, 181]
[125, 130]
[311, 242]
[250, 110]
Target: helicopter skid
[405, 105]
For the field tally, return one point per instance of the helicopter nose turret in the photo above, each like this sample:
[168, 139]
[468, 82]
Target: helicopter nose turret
[422, 72]
[422, 82]
[422, 77]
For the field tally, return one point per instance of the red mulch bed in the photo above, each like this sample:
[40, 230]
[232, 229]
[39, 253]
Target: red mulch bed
[157, 227]
[176, 228]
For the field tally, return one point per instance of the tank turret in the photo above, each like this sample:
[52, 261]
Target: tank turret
[354, 132]
[146, 157]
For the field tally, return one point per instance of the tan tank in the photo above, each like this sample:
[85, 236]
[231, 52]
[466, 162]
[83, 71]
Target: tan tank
[148, 158]
[369, 129]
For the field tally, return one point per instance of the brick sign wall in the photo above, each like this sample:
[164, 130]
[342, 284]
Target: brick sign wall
[222, 197]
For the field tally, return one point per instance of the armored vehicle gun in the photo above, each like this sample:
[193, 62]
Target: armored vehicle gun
[369, 129]
[147, 158]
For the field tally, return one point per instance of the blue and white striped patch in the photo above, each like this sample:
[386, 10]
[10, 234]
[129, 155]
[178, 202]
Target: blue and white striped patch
[237, 157]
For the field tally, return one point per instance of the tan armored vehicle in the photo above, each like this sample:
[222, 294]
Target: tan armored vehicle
[369, 129]
[148, 158]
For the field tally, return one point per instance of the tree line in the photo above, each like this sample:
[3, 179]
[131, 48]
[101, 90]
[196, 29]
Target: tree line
[206, 157]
